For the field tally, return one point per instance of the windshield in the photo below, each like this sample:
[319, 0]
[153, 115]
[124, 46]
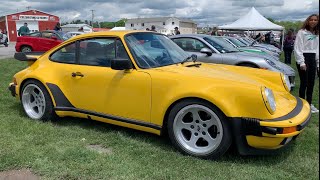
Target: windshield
[243, 41]
[61, 34]
[152, 50]
[237, 42]
[221, 45]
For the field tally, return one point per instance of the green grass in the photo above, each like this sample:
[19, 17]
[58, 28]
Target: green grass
[58, 150]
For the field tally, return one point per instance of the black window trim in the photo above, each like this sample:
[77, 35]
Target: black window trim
[77, 52]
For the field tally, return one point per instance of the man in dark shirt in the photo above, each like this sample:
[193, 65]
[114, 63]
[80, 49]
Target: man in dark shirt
[23, 30]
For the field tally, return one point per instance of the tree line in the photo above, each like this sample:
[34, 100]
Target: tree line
[96, 24]
[294, 25]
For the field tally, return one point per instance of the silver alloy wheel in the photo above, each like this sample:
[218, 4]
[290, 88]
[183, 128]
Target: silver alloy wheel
[198, 129]
[26, 49]
[33, 101]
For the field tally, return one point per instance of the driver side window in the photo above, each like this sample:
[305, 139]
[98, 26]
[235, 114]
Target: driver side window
[189, 44]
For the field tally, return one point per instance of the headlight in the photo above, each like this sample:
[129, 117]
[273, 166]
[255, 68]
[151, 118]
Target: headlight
[286, 82]
[269, 99]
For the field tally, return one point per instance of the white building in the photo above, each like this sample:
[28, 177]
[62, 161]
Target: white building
[164, 25]
[76, 27]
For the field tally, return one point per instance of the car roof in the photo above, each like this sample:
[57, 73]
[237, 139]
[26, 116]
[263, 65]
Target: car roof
[192, 36]
[119, 33]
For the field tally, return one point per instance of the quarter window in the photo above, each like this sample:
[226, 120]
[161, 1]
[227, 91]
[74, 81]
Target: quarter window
[67, 54]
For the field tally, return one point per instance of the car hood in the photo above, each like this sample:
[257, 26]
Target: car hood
[217, 73]
[259, 55]
[279, 65]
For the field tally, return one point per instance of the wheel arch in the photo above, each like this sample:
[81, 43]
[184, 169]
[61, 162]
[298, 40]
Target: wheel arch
[25, 45]
[164, 129]
[42, 83]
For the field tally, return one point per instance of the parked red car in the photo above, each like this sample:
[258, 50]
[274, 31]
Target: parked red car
[39, 41]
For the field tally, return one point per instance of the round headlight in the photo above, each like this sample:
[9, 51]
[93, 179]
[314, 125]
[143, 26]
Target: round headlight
[269, 99]
[286, 82]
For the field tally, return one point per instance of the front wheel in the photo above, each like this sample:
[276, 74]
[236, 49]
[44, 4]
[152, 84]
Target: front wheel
[199, 129]
[36, 101]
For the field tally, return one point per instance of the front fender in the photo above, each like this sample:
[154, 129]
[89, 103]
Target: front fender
[232, 101]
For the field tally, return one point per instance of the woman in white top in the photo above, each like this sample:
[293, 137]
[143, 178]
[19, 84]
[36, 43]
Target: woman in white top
[306, 50]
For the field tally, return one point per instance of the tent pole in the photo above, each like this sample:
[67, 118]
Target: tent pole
[282, 39]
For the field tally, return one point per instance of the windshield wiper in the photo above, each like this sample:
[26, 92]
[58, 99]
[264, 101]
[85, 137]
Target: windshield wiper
[186, 59]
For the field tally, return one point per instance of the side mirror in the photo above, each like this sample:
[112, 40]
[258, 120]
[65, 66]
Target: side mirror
[194, 57]
[206, 51]
[121, 64]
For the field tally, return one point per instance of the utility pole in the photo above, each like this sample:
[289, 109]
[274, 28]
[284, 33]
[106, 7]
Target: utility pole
[92, 15]
[28, 7]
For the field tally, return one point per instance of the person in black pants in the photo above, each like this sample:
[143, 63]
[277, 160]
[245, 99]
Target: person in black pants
[306, 50]
[288, 46]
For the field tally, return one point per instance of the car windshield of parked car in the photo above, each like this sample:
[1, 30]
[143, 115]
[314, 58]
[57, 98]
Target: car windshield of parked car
[237, 42]
[69, 35]
[152, 50]
[220, 44]
[243, 41]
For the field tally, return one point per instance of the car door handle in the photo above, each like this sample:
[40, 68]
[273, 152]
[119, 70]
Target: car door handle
[74, 74]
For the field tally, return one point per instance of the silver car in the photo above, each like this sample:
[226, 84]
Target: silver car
[210, 49]
[244, 47]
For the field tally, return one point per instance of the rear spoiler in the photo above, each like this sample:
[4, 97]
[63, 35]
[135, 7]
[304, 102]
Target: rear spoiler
[27, 56]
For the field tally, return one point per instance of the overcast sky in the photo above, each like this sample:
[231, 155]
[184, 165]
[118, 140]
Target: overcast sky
[203, 12]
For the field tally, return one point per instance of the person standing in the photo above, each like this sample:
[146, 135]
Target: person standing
[176, 31]
[57, 27]
[81, 29]
[288, 46]
[153, 28]
[23, 30]
[306, 50]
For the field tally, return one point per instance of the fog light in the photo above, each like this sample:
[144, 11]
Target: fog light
[288, 130]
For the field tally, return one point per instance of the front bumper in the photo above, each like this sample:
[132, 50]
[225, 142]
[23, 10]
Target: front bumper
[12, 89]
[260, 137]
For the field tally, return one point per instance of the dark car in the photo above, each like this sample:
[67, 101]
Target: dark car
[39, 41]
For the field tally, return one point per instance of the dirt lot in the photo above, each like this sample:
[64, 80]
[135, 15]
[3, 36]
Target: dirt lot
[23, 174]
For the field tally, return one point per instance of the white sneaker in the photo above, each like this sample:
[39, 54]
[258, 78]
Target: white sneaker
[313, 109]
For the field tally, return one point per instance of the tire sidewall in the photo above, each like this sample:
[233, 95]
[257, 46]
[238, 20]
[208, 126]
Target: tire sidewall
[226, 139]
[49, 111]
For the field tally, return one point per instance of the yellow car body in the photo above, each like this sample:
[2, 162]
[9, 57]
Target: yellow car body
[142, 99]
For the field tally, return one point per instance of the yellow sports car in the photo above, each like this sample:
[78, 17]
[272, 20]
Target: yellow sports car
[143, 80]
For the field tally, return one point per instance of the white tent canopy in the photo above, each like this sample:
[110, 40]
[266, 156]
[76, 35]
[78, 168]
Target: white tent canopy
[253, 20]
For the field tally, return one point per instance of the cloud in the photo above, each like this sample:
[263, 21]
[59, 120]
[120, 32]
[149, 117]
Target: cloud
[204, 12]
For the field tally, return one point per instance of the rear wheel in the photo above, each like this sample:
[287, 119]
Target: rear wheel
[26, 49]
[36, 101]
[199, 129]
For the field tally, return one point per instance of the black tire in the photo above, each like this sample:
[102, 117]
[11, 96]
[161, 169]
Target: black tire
[248, 65]
[179, 137]
[48, 113]
[26, 49]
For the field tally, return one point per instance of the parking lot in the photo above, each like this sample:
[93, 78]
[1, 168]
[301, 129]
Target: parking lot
[7, 52]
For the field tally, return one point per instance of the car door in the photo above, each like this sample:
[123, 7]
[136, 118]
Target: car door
[194, 46]
[92, 86]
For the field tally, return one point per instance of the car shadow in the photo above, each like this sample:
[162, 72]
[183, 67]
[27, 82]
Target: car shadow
[164, 143]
